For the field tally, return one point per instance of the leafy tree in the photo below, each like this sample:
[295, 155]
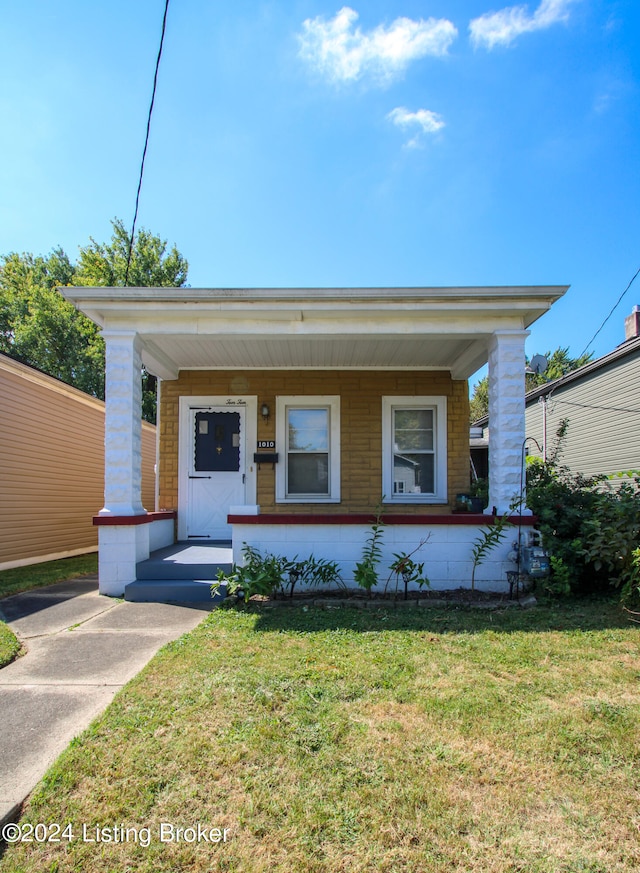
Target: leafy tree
[559, 364]
[479, 402]
[151, 264]
[39, 327]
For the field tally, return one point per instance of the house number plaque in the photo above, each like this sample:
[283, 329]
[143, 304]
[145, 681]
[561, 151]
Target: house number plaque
[263, 445]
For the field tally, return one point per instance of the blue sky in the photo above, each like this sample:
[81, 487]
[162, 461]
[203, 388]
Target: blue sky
[305, 143]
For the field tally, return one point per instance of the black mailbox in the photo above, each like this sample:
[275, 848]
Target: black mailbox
[265, 458]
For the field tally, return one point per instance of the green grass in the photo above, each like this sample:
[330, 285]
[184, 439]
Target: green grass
[9, 644]
[37, 575]
[432, 740]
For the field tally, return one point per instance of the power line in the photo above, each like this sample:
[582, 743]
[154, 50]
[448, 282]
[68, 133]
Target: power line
[146, 142]
[615, 306]
[555, 401]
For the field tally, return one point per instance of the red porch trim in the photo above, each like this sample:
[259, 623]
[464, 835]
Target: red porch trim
[462, 518]
[131, 520]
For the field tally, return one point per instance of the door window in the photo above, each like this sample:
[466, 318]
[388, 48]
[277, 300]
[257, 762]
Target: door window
[217, 442]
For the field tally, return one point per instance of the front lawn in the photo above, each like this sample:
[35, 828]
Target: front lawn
[378, 740]
[37, 575]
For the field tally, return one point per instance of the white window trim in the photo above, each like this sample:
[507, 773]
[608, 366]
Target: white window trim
[330, 402]
[439, 405]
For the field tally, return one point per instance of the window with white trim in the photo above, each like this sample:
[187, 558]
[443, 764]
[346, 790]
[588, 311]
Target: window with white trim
[414, 445]
[308, 440]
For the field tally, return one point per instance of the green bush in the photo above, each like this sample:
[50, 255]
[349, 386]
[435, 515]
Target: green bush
[258, 574]
[267, 575]
[9, 644]
[589, 528]
[314, 573]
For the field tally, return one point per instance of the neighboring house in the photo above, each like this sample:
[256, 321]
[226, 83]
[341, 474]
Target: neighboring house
[479, 450]
[601, 402]
[52, 466]
[287, 415]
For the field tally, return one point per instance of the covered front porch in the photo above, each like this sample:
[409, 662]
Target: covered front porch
[244, 356]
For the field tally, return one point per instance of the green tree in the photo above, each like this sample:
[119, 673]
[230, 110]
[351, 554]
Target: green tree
[152, 266]
[559, 364]
[39, 327]
[479, 401]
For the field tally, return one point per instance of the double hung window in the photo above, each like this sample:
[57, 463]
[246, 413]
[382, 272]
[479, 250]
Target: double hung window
[414, 446]
[308, 429]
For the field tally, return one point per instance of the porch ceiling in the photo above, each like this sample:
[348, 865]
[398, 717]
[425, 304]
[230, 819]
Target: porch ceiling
[430, 328]
[342, 352]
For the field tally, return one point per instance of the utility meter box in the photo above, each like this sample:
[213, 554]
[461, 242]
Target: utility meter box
[535, 562]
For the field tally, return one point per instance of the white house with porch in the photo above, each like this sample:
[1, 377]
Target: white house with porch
[285, 416]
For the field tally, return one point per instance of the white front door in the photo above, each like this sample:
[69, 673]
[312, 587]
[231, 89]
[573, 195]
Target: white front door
[216, 469]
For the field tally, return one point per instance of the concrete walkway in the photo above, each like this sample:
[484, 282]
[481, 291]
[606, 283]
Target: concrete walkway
[81, 649]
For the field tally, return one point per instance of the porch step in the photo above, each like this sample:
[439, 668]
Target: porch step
[172, 591]
[186, 561]
[180, 573]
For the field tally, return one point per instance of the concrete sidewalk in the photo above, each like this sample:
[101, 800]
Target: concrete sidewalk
[81, 649]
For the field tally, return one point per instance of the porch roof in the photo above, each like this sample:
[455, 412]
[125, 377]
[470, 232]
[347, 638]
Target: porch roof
[325, 328]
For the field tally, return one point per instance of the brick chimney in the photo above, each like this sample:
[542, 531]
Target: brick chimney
[632, 324]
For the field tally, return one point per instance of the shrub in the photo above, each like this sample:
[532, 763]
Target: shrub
[258, 574]
[314, 573]
[589, 528]
[269, 574]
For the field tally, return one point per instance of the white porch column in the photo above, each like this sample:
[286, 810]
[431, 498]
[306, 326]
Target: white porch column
[123, 425]
[122, 543]
[506, 417]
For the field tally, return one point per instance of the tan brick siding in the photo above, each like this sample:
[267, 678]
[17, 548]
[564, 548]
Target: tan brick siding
[361, 395]
[52, 466]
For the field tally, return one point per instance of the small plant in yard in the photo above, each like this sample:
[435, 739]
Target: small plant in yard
[631, 592]
[258, 574]
[322, 573]
[366, 572]
[269, 574]
[490, 537]
[559, 582]
[412, 573]
[313, 573]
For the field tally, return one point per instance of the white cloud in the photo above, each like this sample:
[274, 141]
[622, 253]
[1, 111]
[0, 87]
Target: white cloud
[503, 27]
[339, 49]
[424, 121]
